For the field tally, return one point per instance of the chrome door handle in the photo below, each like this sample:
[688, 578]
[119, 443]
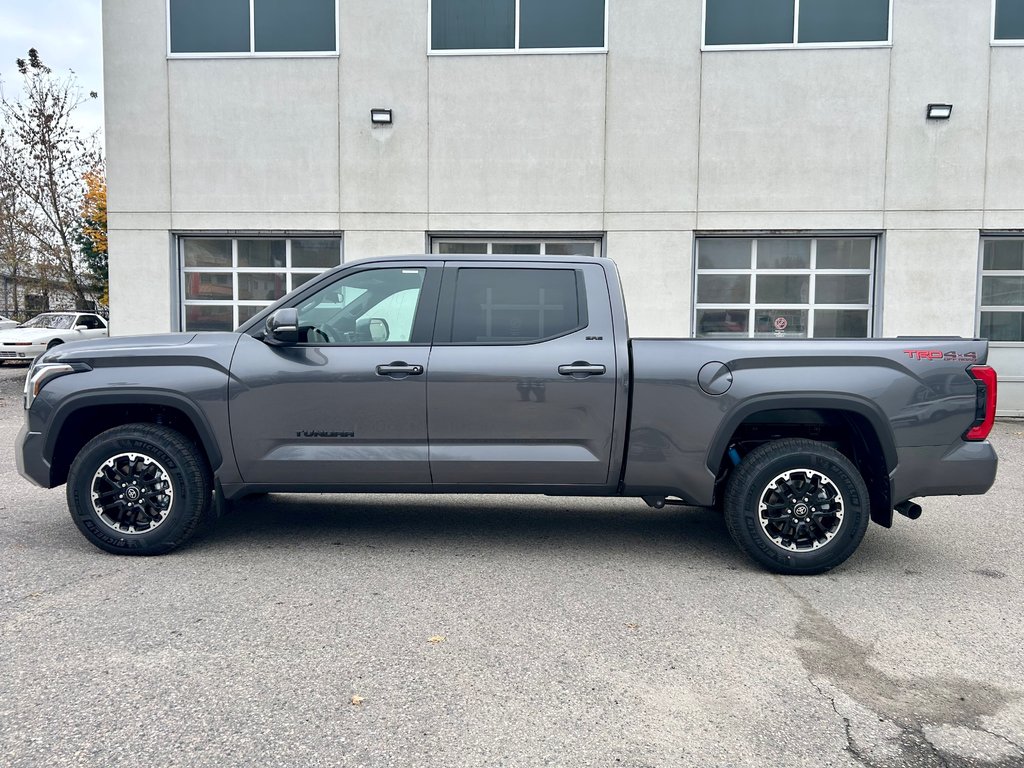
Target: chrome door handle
[399, 368]
[580, 368]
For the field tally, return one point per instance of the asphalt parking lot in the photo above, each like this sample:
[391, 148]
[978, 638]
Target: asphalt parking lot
[494, 631]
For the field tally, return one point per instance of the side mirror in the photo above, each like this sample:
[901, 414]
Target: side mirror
[283, 327]
[81, 327]
[372, 330]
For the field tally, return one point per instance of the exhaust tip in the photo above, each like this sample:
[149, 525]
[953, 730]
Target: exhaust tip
[909, 509]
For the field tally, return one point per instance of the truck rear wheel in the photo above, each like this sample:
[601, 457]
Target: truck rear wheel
[139, 489]
[797, 506]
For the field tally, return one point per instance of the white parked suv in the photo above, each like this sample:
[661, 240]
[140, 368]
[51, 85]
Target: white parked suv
[28, 340]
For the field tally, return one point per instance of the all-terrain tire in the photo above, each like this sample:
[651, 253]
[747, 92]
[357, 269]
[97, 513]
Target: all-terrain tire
[797, 506]
[139, 489]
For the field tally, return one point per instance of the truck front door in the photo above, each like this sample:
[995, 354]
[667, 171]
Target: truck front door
[347, 405]
[522, 383]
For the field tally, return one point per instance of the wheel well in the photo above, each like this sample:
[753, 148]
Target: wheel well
[84, 424]
[852, 434]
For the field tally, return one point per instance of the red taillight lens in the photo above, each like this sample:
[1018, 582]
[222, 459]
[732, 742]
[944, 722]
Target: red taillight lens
[985, 410]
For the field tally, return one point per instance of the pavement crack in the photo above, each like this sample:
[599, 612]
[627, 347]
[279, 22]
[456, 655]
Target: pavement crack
[851, 747]
[1000, 736]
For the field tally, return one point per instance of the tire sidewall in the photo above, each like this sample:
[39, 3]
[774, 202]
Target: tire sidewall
[176, 527]
[746, 527]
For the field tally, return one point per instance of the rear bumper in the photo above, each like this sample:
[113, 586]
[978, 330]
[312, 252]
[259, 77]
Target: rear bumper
[963, 469]
[32, 464]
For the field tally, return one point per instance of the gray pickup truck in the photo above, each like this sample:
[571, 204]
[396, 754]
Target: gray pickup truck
[449, 374]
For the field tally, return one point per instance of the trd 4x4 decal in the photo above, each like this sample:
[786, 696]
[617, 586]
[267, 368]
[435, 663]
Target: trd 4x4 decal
[938, 354]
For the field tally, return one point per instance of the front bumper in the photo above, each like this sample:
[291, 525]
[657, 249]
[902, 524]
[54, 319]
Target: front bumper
[32, 465]
[962, 469]
[23, 353]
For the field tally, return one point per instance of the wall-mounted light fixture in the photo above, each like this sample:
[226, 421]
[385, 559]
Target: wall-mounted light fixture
[939, 111]
[380, 116]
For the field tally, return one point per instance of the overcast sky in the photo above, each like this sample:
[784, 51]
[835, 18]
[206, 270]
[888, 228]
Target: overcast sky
[67, 35]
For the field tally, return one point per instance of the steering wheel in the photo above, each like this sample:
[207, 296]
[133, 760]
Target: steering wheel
[318, 335]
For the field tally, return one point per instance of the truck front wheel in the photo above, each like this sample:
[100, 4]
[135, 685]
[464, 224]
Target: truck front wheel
[138, 489]
[797, 506]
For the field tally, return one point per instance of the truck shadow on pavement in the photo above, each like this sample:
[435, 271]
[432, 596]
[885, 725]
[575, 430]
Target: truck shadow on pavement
[690, 535]
[423, 521]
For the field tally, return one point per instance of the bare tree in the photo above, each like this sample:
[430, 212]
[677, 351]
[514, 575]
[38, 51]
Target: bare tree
[43, 159]
[16, 255]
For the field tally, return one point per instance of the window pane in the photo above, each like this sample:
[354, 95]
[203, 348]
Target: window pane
[465, 24]
[208, 285]
[721, 323]
[342, 311]
[517, 305]
[294, 25]
[840, 21]
[783, 289]
[399, 311]
[840, 323]
[1002, 291]
[1002, 326]
[780, 323]
[561, 23]
[723, 289]
[208, 318]
[1004, 254]
[264, 286]
[1009, 20]
[246, 312]
[462, 248]
[844, 254]
[748, 22]
[209, 26]
[723, 253]
[841, 289]
[522, 249]
[310, 252]
[261, 253]
[298, 278]
[207, 253]
[569, 249]
[783, 254]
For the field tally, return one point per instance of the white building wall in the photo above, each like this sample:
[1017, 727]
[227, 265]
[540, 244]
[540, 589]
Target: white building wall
[649, 145]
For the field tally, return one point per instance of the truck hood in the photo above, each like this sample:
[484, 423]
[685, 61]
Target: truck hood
[140, 350]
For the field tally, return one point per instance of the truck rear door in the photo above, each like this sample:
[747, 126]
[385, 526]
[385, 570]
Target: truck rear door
[522, 381]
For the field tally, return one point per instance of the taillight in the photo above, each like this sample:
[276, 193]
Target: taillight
[985, 405]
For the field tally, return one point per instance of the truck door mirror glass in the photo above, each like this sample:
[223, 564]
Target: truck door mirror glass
[283, 327]
[372, 330]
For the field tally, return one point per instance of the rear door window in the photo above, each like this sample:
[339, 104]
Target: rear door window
[516, 306]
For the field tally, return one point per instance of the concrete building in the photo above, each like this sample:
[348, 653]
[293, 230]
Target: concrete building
[755, 168]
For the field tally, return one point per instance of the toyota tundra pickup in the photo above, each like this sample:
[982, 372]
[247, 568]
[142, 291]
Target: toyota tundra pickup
[447, 374]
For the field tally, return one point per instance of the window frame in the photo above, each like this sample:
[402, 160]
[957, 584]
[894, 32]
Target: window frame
[982, 273]
[515, 49]
[810, 306]
[796, 32]
[490, 239]
[234, 303]
[1018, 41]
[252, 52]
